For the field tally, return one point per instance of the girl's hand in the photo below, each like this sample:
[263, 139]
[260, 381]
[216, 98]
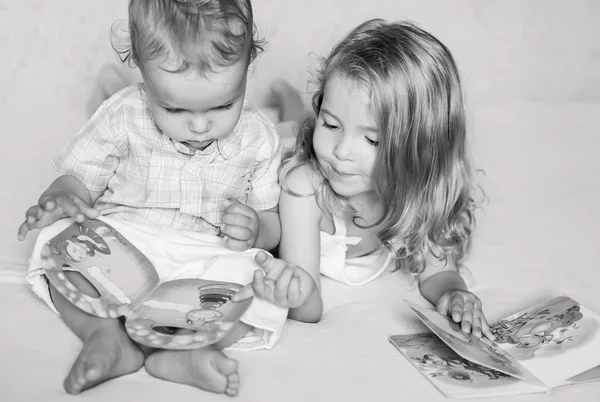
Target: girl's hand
[54, 206]
[284, 284]
[240, 226]
[465, 308]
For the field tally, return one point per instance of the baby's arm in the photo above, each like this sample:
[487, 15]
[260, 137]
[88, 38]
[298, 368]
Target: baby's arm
[244, 228]
[446, 289]
[66, 197]
[257, 223]
[269, 229]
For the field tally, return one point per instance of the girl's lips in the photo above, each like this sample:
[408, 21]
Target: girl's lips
[337, 172]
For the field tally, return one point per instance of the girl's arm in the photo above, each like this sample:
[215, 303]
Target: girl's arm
[301, 237]
[443, 287]
[438, 278]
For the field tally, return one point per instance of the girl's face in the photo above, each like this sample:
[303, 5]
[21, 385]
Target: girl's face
[345, 138]
[193, 109]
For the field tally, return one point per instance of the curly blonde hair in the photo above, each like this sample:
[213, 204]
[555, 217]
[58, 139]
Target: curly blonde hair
[197, 34]
[422, 174]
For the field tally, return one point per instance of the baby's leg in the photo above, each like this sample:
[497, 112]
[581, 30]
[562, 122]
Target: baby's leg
[207, 368]
[107, 350]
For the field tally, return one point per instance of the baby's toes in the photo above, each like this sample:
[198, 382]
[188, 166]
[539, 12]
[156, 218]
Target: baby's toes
[233, 384]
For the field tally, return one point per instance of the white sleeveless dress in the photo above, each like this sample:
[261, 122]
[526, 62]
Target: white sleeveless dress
[353, 271]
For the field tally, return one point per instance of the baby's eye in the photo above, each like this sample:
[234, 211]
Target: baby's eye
[225, 107]
[174, 111]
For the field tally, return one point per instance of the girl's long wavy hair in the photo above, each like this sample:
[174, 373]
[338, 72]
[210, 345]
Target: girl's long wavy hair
[422, 174]
[196, 34]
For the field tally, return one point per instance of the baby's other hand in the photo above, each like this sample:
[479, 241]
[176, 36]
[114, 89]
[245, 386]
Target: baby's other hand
[54, 206]
[465, 308]
[240, 226]
[283, 283]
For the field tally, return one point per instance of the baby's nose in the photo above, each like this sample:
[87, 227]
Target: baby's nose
[200, 125]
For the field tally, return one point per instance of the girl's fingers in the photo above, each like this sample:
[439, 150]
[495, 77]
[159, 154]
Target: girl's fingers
[259, 286]
[272, 266]
[282, 285]
[261, 259]
[443, 304]
[476, 328]
[244, 293]
[294, 292]
[486, 330]
[467, 316]
[456, 309]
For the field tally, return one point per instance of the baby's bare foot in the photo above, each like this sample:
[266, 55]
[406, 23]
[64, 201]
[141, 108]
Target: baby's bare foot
[106, 354]
[207, 368]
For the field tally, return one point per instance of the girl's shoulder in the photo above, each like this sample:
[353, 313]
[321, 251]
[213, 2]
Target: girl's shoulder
[301, 180]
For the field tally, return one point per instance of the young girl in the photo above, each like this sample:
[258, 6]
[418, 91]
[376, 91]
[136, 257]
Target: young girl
[379, 176]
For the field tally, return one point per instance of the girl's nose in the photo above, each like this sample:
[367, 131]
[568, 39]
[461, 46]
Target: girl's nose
[343, 151]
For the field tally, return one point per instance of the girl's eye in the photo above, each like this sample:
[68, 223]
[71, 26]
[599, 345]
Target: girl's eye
[329, 126]
[372, 142]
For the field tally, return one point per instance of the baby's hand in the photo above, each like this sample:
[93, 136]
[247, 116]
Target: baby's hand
[54, 206]
[465, 308]
[240, 226]
[284, 284]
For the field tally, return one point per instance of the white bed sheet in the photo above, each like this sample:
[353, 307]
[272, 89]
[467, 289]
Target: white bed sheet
[537, 238]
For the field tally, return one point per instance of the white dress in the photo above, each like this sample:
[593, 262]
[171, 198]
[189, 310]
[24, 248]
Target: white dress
[353, 271]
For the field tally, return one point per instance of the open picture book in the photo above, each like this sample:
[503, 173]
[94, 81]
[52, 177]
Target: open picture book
[552, 344]
[177, 314]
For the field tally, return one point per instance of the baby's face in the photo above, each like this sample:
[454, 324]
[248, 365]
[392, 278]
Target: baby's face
[193, 109]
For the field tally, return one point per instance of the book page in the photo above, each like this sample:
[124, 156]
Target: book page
[453, 375]
[587, 376]
[121, 274]
[478, 350]
[186, 314]
[556, 340]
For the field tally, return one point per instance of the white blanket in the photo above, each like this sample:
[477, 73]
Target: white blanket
[537, 238]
